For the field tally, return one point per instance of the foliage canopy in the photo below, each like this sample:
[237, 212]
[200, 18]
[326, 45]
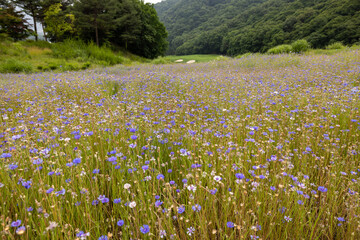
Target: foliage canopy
[238, 26]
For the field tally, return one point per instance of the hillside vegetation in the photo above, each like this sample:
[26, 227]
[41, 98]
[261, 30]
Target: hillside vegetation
[70, 55]
[234, 27]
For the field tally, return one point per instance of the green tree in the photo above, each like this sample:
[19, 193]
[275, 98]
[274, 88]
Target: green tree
[127, 24]
[12, 22]
[153, 33]
[57, 23]
[256, 25]
[95, 17]
[32, 8]
[45, 5]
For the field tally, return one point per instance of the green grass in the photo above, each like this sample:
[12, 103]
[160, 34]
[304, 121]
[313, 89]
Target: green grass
[70, 55]
[277, 137]
[285, 48]
[199, 58]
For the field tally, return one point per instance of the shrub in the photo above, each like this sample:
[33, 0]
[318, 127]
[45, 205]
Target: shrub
[160, 60]
[69, 49]
[103, 54]
[12, 49]
[285, 48]
[15, 66]
[243, 55]
[75, 49]
[53, 66]
[300, 46]
[85, 65]
[336, 45]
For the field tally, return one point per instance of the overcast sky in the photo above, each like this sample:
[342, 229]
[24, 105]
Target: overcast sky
[152, 1]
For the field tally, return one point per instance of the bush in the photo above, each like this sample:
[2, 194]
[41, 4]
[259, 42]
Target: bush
[300, 46]
[160, 60]
[69, 49]
[86, 65]
[15, 66]
[103, 54]
[74, 49]
[285, 48]
[337, 45]
[243, 55]
[12, 49]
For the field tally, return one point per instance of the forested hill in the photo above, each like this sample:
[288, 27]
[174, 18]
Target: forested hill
[239, 26]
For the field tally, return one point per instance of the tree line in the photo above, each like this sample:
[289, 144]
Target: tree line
[235, 27]
[129, 24]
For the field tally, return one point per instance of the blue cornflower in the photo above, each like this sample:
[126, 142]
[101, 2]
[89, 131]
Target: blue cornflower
[61, 192]
[82, 234]
[103, 199]
[20, 230]
[13, 166]
[120, 223]
[112, 159]
[77, 161]
[38, 161]
[181, 209]
[95, 171]
[117, 200]
[69, 164]
[5, 155]
[322, 189]
[341, 219]
[213, 191]
[16, 223]
[160, 176]
[49, 190]
[104, 237]
[26, 184]
[196, 208]
[158, 203]
[230, 224]
[145, 229]
[239, 176]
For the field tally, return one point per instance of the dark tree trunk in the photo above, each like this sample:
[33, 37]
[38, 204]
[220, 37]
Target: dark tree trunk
[42, 24]
[96, 34]
[35, 27]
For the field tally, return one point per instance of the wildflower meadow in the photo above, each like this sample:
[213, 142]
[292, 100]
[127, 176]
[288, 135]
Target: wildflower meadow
[261, 147]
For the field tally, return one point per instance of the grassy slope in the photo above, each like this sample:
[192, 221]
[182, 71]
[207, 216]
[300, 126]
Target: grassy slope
[29, 56]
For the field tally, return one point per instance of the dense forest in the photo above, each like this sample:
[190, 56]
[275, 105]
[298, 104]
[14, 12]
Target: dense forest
[128, 24]
[238, 26]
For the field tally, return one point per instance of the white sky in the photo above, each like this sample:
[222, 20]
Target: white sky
[152, 1]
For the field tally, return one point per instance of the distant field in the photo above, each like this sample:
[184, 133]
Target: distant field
[197, 58]
[260, 147]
